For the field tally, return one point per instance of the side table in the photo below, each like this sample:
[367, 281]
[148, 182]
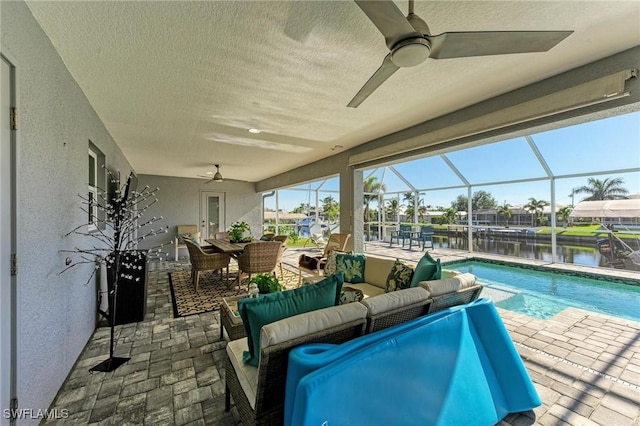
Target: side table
[230, 318]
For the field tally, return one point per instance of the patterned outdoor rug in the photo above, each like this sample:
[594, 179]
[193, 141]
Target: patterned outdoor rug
[211, 290]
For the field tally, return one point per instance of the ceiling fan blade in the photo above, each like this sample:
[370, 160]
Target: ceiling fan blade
[389, 20]
[483, 43]
[385, 71]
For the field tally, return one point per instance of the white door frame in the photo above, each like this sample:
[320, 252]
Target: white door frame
[8, 305]
[204, 226]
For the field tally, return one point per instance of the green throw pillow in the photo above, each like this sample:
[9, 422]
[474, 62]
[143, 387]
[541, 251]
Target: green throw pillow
[427, 269]
[352, 265]
[400, 276]
[271, 307]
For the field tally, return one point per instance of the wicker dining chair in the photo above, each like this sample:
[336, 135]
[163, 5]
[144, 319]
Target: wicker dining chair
[205, 261]
[258, 257]
[283, 240]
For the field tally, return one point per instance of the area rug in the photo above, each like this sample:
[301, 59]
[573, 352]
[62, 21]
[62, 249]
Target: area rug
[211, 290]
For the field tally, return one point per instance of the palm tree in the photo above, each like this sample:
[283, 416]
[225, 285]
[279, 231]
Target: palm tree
[422, 210]
[505, 210]
[331, 208]
[563, 214]
[606, 189]
[410, 211]
[372, 190]
[450, 215]
[536, 207]
[393, 208]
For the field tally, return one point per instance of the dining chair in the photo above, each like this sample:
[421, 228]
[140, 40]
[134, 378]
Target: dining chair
[258, 257]
[222, 235]
[190, 231]
[205, 261]
[283, 240]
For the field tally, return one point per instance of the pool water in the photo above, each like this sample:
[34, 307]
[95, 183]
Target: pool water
[542, 294]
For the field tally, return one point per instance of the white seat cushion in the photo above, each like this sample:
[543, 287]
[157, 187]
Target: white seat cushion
[247, 374]
[394, 300]
[310, 322]
[449, 285]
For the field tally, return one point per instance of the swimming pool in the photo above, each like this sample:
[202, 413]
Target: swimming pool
[542, 294]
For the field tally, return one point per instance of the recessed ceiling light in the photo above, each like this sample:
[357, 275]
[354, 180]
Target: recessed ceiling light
[254, 130]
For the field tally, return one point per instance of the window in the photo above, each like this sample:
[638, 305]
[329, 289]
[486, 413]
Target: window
[92, 209]
[96, 183]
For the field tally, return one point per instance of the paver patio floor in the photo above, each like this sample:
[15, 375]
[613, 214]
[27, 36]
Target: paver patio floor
[586, 366]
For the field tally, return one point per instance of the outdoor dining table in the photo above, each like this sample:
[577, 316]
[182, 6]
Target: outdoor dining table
[226, 246]
[232, 249]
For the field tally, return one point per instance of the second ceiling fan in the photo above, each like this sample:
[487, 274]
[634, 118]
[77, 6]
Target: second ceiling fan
[217, 177]
[410, 42]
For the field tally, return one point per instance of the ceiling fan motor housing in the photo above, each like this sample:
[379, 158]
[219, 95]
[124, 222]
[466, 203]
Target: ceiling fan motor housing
[410, 52]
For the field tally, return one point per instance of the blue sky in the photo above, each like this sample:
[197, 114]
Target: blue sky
[594, 147]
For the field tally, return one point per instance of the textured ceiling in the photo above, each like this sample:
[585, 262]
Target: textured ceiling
[178, 84]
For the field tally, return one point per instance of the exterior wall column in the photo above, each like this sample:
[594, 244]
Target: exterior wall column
[352, 207]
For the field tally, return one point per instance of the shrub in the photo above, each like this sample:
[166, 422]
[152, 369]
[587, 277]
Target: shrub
[267, 283]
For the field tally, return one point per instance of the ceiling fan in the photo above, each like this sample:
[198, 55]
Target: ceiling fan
[410, 42]
[217, 177]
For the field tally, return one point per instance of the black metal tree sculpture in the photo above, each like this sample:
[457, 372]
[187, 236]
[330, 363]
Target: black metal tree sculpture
[119, 228]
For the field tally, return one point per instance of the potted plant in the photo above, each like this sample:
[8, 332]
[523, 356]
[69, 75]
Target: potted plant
[240, 232]
[267, 283]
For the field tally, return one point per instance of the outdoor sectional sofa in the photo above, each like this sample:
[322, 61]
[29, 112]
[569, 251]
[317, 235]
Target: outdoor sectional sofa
[259, 391]
[453, 288]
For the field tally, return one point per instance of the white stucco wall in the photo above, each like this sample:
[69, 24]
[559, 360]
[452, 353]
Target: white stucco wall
[179, 204]
[55, 313]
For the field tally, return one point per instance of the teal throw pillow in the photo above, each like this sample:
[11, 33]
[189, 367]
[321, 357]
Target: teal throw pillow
[268, 308]
[427, 269]
[352, 266]
[400, 276]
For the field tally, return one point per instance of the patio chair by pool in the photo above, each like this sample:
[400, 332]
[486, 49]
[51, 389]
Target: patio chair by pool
[283, 240]
[423, 238]
[316, 237]
[315, 264]
[404, 233]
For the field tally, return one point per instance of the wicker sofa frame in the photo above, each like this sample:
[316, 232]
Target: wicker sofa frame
[270, 395]
[272, 372]
[459, 297]
[398, 316]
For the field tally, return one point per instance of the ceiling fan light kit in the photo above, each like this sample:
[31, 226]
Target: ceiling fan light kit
[217, 177]
[411, 52]
[410, 42]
